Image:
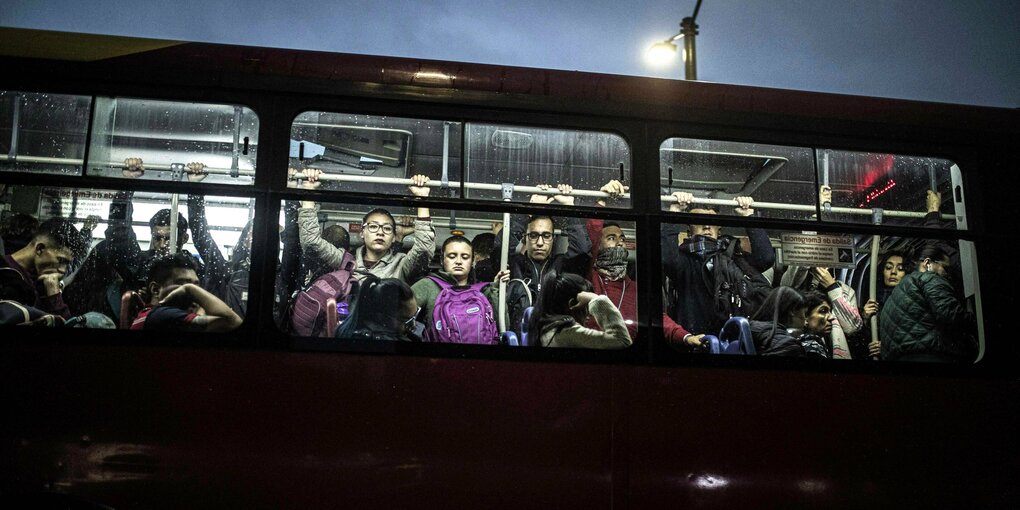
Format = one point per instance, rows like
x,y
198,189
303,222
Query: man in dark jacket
x,y
686,266
539,259
31,276
923,319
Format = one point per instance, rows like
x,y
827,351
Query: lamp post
x,y
663,51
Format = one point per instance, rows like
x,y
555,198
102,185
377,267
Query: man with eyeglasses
x,y
539,259
378,231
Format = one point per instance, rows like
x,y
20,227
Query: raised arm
x,y
218,316
216,269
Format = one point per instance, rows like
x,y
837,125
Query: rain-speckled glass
x,y
374,153
715,172
527,157
892,189
168,135
42,133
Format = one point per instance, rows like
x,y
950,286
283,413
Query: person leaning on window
x,y
176,302
31,275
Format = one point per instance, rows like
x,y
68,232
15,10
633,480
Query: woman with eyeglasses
x,y
924,320
378,231
382,309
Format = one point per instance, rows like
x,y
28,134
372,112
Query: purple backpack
x,y
308,314
462,316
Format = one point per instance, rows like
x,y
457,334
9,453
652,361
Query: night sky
x,y
940,50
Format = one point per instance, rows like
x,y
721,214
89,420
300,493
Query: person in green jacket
x,y
458,257
923,319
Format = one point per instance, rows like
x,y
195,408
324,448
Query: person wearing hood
x,y
781,327
686,265
457,271
564,304
608,272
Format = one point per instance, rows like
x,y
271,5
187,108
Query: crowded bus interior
x,y
450,273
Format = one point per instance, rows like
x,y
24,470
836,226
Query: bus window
x,y
159,139
375,154
326,247
42,132
121,262
907,190
714,172
529,156
819,291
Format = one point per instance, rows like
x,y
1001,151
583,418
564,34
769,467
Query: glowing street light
x,y
663,52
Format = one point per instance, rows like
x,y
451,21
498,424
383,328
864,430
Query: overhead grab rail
x,y
535,190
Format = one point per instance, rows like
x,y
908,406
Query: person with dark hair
x,y
842,301
924,319
820,320
529,269
118,263
176,301
608,271
17,231
486,250
32,275
564,304
687,266
226,279
383,309
378,232
778,327
457,277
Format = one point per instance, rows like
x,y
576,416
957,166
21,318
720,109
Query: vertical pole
x,y
504,258
175,200
876,242
689,29
12,153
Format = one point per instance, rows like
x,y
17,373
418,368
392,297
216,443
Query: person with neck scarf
x,y
608,271
686,267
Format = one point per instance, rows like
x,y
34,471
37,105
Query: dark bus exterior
x,y
258,418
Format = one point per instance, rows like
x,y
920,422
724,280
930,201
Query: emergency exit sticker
x,y
814,250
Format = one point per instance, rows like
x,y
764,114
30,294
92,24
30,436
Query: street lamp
x,y
664,51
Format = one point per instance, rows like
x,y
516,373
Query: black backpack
x,y
738,288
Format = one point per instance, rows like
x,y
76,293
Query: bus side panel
x,y
130,426
727,439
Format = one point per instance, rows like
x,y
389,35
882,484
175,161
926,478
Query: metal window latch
x,y
508,191
876,216
176,171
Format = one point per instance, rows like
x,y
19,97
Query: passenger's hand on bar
x,y
502,276
682,199
870,309
933,201
418,186
825,195
196,171
615,189
311,178
539,198
564,197
875,349
744,206
133,168
497,226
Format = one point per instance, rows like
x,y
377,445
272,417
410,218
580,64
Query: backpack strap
x,y
443,284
